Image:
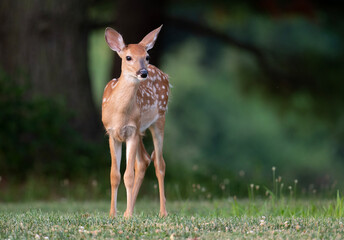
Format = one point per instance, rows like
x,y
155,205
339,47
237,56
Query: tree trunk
x,y
46,42
135,19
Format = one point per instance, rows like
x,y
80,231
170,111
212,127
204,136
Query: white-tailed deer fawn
x,y
131,104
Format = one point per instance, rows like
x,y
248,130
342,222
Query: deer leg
x,y
115,175
157,130
129,173
142,162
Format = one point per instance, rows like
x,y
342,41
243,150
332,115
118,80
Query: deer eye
x,y
128,58
147,58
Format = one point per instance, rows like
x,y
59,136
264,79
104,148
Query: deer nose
x,y
143,73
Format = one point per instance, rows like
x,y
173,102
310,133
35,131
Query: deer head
x,y
135,57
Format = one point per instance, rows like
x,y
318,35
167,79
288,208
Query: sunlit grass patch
x,y
218,219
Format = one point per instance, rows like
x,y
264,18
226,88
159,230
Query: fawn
x,y
137,100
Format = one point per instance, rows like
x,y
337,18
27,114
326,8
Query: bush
x,y
36,137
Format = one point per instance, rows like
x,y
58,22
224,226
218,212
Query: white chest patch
x,y
148,118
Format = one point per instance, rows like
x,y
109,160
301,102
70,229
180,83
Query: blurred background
x,y
257,85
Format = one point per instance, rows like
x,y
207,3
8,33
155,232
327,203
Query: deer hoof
x,y
163,213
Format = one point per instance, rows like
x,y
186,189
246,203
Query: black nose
x,y
143,73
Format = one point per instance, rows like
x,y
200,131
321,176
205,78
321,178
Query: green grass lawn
x,y
217,219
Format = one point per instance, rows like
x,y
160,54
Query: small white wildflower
x,y
46,238
263,217
273,168
37,236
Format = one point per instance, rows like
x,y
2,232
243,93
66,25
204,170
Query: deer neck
x,y
125,93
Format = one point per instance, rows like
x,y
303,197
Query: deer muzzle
x,y
142,73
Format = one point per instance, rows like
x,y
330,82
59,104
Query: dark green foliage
x,y
36,137
229,121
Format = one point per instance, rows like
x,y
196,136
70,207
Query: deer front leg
x,y
157,130
115,175
129,173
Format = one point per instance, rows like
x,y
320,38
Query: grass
x,y
217,219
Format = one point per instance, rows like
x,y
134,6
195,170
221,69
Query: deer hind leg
x,y
142,162
157,130
115,175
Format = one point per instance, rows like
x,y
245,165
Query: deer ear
x,y
149,40
114,39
